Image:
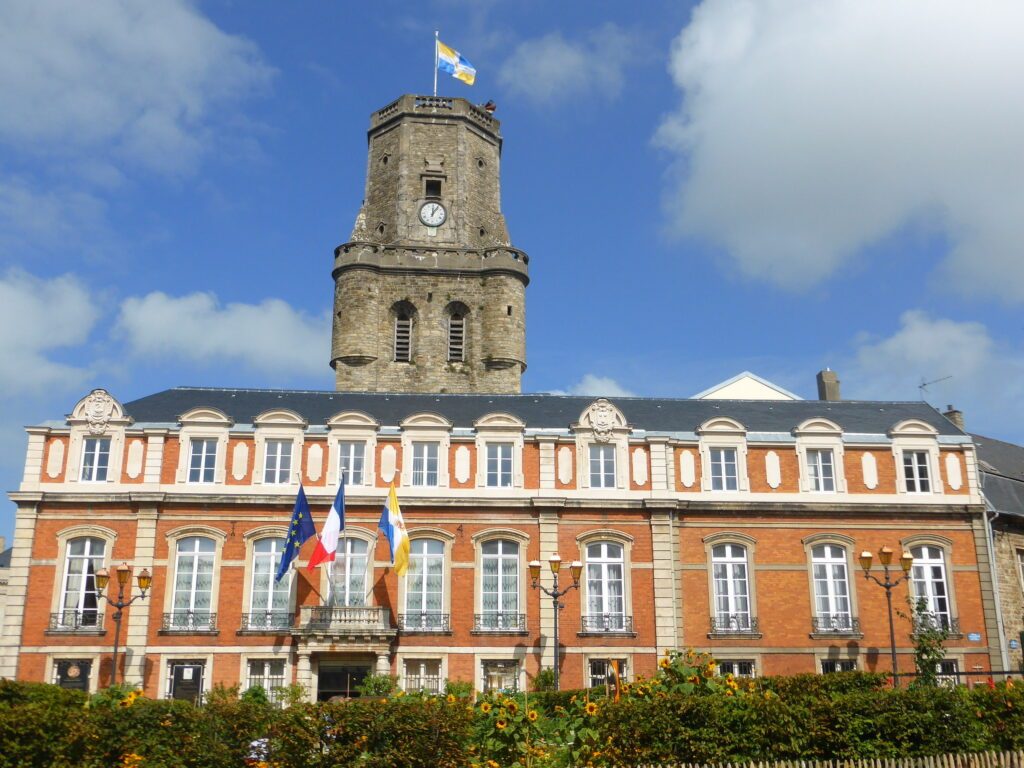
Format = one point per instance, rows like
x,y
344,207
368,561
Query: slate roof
x,y
5,557
537,411
1002,478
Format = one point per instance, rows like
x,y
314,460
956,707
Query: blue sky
x,y
702,188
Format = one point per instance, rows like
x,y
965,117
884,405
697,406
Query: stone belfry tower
x,y
429,294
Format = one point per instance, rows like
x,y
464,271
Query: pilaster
x,y
155,440
548,535
17,587
989,604
666,636
547,460
34,458
138,615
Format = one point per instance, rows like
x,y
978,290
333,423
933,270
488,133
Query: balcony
x,y
827,625
427,622
738,625
76,623
349,621
606,624
508,623
189,623
267,622
939,621
426,684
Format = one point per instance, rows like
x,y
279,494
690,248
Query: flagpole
x,y
436,41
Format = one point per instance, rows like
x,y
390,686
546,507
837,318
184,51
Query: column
x,y
383,663
136,636
304,675
17,587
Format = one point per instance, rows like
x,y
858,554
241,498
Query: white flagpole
x,y
436,50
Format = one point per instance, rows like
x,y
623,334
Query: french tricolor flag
x,y
327,544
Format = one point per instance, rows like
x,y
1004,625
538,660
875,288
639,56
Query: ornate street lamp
x,y
885,558
555,563
124,576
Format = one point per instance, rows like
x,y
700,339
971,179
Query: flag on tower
x,y
393,526
327,544
454,63
301,528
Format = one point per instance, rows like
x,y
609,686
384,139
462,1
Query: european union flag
x,y
302,528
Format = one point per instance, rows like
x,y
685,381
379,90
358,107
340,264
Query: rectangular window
x,y
915,471
73,674
185,680
80,599
736,668
723,469
831,589
424,464
351,457
268,674
432,187
602,466
424,587
499,465
500,676
348,579
422,675
605,583
949,672
838,665
820,471
732,598
278,465
602,672
193,586
95,459
499,586
270,599
202,460
928,576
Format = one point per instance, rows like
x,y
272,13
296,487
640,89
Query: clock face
x,y
433,214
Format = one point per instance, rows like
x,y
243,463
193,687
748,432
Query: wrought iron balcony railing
x,y
190,621
76,621
734,623
942,621
265,621
330,619
424,622
427,684
836,623
499,622
607,622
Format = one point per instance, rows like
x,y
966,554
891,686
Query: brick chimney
x,y
828,385
955,416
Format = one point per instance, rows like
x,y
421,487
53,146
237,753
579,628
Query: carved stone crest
x,y
602,420
98,410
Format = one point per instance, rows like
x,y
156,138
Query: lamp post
x,y
885,558
555,563
124,575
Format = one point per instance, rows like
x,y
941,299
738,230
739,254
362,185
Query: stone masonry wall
x,y
1010,542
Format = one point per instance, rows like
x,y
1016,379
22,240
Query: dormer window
x,y
915,471
821,470
202,460
724,476
95,459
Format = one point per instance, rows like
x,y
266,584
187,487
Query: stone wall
x,y
1009,543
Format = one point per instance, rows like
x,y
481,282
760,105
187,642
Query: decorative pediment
x,y
425,421
98,411
818,426
280,417
913,428
353,419
499,421
721,425
205,416
604,419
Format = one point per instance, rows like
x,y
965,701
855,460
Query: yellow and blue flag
x,y
301,528
455,64
393,526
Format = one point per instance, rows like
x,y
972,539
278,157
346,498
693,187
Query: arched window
x,y
269,602
349,581
193,585
79,602
606,602
500,585
929,579
457,332
732,593
405,315
831,589
424,590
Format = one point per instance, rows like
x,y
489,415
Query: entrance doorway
x,y
339,680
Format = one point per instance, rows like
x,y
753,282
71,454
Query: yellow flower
x,y
451,698
728,692
664,663
511,706
532,715
591,708
501,723
486,707
493,764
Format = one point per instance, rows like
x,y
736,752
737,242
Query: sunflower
x,y
486,707
591,708
532,715
511,706
493,764
450,698
501,724
664,663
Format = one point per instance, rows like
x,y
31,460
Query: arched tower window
x,y
405,315
457,332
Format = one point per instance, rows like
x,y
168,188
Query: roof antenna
x,y
923,386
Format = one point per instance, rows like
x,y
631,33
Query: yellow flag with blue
x,y
455,64
393,526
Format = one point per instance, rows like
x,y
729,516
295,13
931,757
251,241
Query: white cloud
x,y
598,386
548,68
269,337
811,129
37,317
143,80
986,374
